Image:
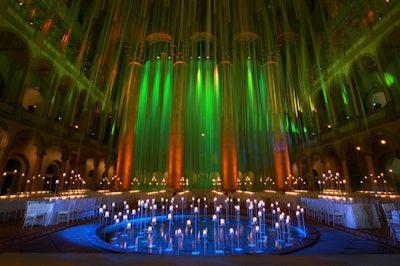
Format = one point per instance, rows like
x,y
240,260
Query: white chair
x,y
376,204
311,208
99,201
83,208
14,209
34,214
68,214
4,210
322,211
395,226
91,206
387,210
79,209
337,215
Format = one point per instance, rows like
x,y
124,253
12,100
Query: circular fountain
x,y
173,230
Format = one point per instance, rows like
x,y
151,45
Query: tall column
x,y
228,136
50,104
346,177
176,144
63,169
354,98
82,172
72,111
36,170
48,93
371,171
22,89
324,167
95,181
125,160
279,142
3,162
386,89
3,159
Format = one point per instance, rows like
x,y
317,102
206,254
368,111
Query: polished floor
x,y
72,245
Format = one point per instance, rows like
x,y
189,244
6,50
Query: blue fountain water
x,y
196,234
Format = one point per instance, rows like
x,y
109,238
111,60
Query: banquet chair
x,y
84,208
15,208
395,226
387,210
34,214
90,210
376,204
3,210
318,211
68,214
323,212
337,215
312,210
99,201
79,210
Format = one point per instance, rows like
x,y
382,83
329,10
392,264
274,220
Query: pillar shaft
x,y
280,151
346,176
176,145
125,158
228,136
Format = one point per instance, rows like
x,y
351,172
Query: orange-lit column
x,y
176,149
228,136
127,130
280,145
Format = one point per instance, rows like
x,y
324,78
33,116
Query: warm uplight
x,y
358,148
383,141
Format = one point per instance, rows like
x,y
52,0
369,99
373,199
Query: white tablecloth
x,y
359,215
356,215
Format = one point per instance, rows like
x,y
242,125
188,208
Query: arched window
x,y
377,100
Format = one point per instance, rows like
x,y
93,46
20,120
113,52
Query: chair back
x,y
71,205
395,217
387,210
31,208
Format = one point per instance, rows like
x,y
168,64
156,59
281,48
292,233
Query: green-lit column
x,y
176,144
228,136
202,115
152,126
127,132
251,111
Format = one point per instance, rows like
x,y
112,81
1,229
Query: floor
x,y
70,245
